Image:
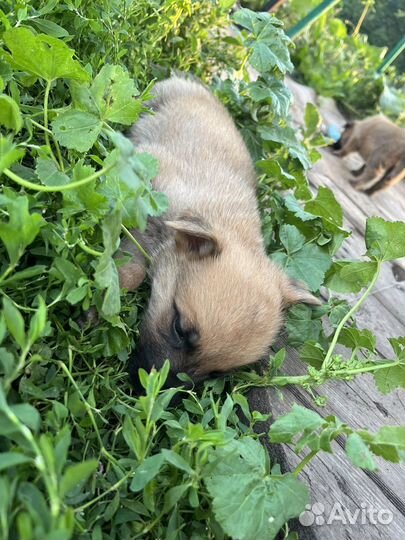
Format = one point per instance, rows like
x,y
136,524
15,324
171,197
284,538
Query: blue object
x,y
333,132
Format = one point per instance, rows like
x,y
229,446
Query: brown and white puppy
x,y
381,144
217,301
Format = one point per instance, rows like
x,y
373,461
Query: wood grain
x,y
331,478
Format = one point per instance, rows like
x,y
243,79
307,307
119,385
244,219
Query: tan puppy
x,y
217,301
381,144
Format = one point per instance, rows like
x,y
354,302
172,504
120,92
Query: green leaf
x,y
41,55
272,91
354,338
313,120
286,136
304,262
106,275
11,459
31,497
173,495
350,277
299,419
385,239
146,471
14,322
128,184
303,324
9,153
264,58
49,174
278,359
37,322
27,414
50,28
77,130
177,461
62,443
22,227
7,360
326,206
359,453
114,93
76,475
291,239
85,198
398,346
389,379
10,115
247,501
294,206
313,354
388,442
269,46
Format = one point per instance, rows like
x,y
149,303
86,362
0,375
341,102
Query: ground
x,y
337,488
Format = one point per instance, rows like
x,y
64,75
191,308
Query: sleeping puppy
x,y
217,301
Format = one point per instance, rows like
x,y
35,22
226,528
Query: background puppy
x,y
217,301
381,144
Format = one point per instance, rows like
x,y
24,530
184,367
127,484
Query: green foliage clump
x,y
384,23
338,64
80,456
151,37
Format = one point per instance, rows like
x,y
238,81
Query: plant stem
x,y
7,272
89,410
62,168
302,380
39,461
56,189
305,380
46,100
88,249
114,487
136,243
304,462
328,358
362,17
18,368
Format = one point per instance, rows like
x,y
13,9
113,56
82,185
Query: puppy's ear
x,y
296,292
194,238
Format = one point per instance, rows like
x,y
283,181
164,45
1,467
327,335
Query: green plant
x,y
80,457
383,23
338,63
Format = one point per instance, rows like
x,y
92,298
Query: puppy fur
x,y
381,144
217,301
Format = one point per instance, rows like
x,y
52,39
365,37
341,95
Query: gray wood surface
x,y
331,478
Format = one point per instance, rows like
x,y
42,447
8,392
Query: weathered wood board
x,y
337,488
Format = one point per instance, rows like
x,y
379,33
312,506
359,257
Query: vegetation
x,y
384,23
80,457
340,62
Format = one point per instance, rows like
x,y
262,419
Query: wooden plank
x,y
358,403
357,206
331,479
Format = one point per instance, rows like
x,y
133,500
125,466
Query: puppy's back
x,y
380,139
191,124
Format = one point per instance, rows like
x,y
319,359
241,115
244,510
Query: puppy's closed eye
x,y
183,337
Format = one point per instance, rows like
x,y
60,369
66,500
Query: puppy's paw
x,y
131,275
